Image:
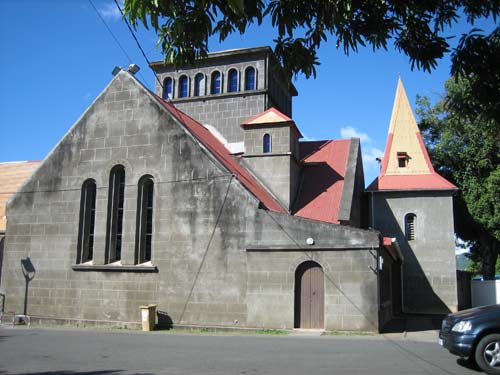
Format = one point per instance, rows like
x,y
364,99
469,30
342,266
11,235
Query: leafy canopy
x,y
464,146
417,27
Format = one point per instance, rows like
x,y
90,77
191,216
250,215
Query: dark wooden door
x,y
312,295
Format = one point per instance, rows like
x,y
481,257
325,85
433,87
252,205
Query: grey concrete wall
x,y
227,110
205,225
278,170
429,279
353,205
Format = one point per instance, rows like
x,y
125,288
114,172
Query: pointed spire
x,y
406,164
405,152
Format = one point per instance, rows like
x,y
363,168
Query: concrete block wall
x,y
227,110
204,222
429,269
278,170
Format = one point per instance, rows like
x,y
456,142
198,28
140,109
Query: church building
x,y
201,198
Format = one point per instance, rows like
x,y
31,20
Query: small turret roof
x,y
272,117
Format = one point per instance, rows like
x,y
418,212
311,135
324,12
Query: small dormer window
x,y
266,143
402,159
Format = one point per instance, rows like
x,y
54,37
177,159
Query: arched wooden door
x,y
309,296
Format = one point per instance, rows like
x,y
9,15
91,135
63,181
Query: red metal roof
x,y
324,166
431,181
223,155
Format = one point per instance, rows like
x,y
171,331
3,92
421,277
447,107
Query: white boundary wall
x,y
485,292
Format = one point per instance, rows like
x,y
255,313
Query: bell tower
x,y
409,201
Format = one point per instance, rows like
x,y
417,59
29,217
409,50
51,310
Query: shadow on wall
x,y
29,274
164,320
418,294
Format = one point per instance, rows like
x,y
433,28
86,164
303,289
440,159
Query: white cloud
x,y
350,132
370,155
305,138
110,11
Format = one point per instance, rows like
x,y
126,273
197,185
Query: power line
x,y
137,41
114,37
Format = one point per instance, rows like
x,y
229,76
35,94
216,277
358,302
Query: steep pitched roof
x,y
12,176
223,155
324,168
406,164
271,117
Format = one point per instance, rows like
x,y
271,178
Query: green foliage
x,y
464,145
418,28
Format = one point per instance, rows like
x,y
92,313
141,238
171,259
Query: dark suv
x,y
474,333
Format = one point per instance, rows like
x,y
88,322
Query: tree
x,y
464,147
418,27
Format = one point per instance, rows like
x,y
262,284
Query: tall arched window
x,y
232,83
410,226
167,88
199,84
144,226
183,87
249,78
114,228
215,83
85,248
266,143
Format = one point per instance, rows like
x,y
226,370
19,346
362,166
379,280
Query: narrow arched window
x,y
410,226
199,84
85,252
232,83
266,143
215,83
144,226
167,88
249,78
116,200
183,87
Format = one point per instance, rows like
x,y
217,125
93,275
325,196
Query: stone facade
x,y
279,169
218,259
227,110
429,269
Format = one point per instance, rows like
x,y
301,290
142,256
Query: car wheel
x,y
488,354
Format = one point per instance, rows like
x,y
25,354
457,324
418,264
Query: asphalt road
x,y
84,352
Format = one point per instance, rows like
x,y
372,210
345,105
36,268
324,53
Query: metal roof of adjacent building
x,y
12,176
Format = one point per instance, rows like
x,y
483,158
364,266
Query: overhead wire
x,y
113,36
137,42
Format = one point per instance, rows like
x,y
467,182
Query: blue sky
x,y
56,57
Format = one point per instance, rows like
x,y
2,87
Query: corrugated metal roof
x,y
12,176
324,167
224,156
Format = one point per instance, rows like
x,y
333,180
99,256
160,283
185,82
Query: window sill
x,y
111,268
